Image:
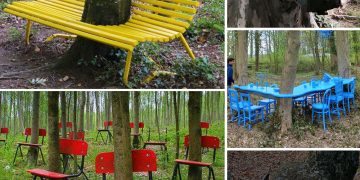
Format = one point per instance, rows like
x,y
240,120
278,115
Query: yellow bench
x,y
151,20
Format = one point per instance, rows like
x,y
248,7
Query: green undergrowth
x,y
164,171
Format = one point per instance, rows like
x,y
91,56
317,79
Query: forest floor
x,y
9,171
303,134
23,66
345,16
254,165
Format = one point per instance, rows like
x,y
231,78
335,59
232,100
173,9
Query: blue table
x,y
299,91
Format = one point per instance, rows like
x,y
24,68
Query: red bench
x,y
211,142
79,135
205,125
142,161
160,143
27,133
107,125
179,162
6,132
67,147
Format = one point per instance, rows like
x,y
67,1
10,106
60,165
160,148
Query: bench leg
x,y
150,175
211,173
214,155
186,153
127,67
167,155
17,148
175,171
104,176
27,33
97,135
187,47
42,155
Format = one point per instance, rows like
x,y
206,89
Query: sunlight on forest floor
x,y
8,171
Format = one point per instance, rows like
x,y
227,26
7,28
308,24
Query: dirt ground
x,y
254,165
30,66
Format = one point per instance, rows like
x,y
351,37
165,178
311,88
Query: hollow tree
x,y
122,143
98,12
194,106
343,52
53,140
288,78
33,153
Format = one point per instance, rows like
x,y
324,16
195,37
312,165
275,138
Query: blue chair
x,y
322,108
338,98
249,111
350,95
267,103
302,101
235,106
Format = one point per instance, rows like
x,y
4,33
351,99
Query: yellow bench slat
x,y
170,5
187,2
67,4
40,4
76,25
58,5
164,11
161,37
159,23
150,29
162,18
71,30
164,30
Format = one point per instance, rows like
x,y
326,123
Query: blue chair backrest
x,y
352,86
245,99
303,82
326,97
233,97
274,86
339,87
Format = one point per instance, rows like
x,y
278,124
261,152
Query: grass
x,y
10,172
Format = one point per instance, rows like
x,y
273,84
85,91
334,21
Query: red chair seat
x,y
47,174
28,144
194,163
154,143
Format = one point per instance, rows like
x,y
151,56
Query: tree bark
x,y
63,114
257,49
356,47
122,144
98,12
241,58
176,108
288,78
33,153
53,141
342,48
82,111
194,106
136,142
333,52
157,115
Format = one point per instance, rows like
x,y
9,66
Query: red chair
x,y
27,133
160,143
107,125
6,132
205,125
141,126
67,147
79,135
142,161
211,142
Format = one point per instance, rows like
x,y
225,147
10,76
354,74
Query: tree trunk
x,y
257,49
53,140
98,111
241,57
288,78
63,114
157,115
333,52
98,12
122,144
176,108
194,105
316,52
82,111
356,47
136,142
33,153
342,48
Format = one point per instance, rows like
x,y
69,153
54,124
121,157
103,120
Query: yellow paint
x,y
187,47
50,38
127,67
27,33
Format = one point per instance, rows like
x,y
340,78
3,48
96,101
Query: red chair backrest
x,y
204,125
141,125
79,135
27,132
68,124
73,147
206,141
4,130
42,132
142,160
108,123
